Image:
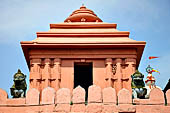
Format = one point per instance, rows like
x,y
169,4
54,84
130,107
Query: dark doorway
x,y
83,75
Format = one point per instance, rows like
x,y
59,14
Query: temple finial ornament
x,y
83,6
83,12
19,87
150,80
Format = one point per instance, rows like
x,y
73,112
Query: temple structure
x,y
88,52
83,50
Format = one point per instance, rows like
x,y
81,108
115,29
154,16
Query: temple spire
x,y
83,6
83,14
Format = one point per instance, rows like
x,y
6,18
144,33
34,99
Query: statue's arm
x,y
12,89
133,85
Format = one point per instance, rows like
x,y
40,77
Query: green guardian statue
x,y
138,85
19,87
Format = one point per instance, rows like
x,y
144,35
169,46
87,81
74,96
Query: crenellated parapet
x,y
98,100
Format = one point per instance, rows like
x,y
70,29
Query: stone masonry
x,y
99,101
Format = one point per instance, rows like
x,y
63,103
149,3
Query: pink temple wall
x,y
55,68
99,101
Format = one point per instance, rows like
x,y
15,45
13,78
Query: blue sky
x,y
147,20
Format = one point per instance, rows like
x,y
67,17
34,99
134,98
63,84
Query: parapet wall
x,y
99,101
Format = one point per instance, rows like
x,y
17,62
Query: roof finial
x,y
83,7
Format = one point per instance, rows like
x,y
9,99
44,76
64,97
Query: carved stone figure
x,y
150,80
19,87
138,85
114,68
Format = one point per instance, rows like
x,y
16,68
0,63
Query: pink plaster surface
x,y
15,101
152,109
168,97
78,95
3,96
63,96
32,97
48,96
78,108
95,95
141,101
124,97
94,108
109,108
109,95
157,96
126,108
63,108
125,105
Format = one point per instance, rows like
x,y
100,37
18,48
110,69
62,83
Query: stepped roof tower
x,y
83,50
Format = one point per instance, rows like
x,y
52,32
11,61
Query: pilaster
x,y
130,69
118,74
109,73
56,74
46,73
35,75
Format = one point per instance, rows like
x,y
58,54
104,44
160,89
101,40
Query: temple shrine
x,y
83,51
83,65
